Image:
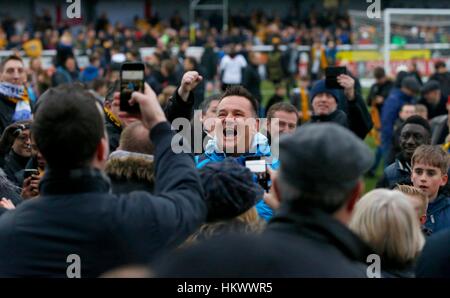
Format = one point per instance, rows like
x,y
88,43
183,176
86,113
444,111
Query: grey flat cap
x,y
411,83
323,154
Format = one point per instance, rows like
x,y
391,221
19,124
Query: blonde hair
x,y
417,193
386,220
248,222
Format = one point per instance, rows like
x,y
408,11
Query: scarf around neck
x,y
17,95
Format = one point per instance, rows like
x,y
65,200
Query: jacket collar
x,y
317,225
82,180
403,165
439,203
338,116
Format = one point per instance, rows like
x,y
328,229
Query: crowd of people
x,y
280,198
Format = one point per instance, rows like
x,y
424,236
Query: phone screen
x,y
130,80
331,74
29,172
259,168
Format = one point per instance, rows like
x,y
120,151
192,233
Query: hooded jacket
x,y
130,171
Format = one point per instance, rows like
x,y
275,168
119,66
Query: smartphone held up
x,y
131,80
331,75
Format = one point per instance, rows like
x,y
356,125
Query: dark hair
x,y
238,90
400,76
281,106
132,142
416,119
439,64
98,83
68,126
204,105
9,58
168,65
93,58
192,61
379,73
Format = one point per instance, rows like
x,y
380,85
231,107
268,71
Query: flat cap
x,y
322,155
429,86
411,83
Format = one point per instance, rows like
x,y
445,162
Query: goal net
x,y
400,39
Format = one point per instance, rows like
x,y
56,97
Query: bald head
x,y
135,138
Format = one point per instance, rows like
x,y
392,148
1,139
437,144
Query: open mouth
x,y
423,187
230,132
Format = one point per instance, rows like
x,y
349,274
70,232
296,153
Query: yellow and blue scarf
x,y
17,95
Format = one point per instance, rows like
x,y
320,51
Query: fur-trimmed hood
x,y
130,171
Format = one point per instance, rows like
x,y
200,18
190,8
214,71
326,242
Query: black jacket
x,y
76,214
252,81
14,166
294,245
444,81
435,110
380,90
177,108
336,251
435,258
6,113
355,117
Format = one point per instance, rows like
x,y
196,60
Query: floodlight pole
x,y
387,41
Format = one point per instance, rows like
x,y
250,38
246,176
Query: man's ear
x,y
355,194
444,180
102,152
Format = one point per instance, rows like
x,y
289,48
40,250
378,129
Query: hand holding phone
x,y
131,80
30,172
331,76
259,168
151,111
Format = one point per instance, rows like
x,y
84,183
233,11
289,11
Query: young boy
x,y
419,201
429,173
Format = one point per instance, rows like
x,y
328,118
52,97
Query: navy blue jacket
x,y
398,172
389,113
438,214
77,214
435,258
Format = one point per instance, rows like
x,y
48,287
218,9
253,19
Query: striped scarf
x,y
113,118
17,95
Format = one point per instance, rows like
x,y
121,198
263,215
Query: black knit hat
x,y
229,189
